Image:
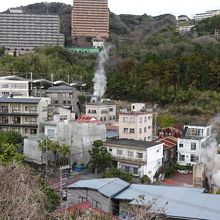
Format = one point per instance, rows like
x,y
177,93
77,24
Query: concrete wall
x,y
32,152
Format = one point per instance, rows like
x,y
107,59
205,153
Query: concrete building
x,y
199,175
63,95
24,32
105,111
90,18
99,192
14,86
192,143
137,157
183,18
136,124
79,135
23,115
207,14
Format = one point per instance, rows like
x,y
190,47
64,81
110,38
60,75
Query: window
x,y
145,119
64,102
130,153
69,102
119,152
149,117
113,117
56,102
140,130
149,127
132,130
93,111
125,130
101,119
111,109
181,157
149,137
132,120
16,109
144,138
110,149
145,129
180,145
140,120
193,146
81,199
125,119
193,158
96,204
135,170
140,155
33,131
158,150
104,118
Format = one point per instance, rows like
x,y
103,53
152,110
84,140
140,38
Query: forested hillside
x,y
149,61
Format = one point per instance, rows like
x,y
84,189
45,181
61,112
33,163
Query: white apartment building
x,y
23,115
136,124
105,111
137,157
191,145
207,14
13,86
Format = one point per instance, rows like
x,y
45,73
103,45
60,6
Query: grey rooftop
x,y
177,202
20,100
60,88
108,187
132,143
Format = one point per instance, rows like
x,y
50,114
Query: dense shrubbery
x,y
118,173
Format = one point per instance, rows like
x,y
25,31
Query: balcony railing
x,y
129,159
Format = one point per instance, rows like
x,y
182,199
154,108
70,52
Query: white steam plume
x,y
100,80
210,156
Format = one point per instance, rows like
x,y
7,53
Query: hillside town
x,y
97,149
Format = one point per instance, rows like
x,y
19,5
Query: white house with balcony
x,y
190,146
137,123
137,157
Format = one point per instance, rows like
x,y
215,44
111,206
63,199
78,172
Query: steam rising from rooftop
x,y
211,158
100,80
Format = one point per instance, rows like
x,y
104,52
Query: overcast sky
x,y
150,7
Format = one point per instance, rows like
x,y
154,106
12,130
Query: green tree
x,y
100,157
114,172
10,137
9,153
54,147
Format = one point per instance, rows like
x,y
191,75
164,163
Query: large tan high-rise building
x,y
90,18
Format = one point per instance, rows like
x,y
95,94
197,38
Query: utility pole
x,y
63,181
46,163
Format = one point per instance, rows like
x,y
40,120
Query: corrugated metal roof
x,y
179,202
109,187
20,100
